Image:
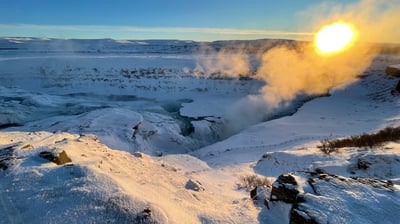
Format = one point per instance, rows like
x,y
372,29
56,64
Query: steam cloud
x,y
289,71
224,61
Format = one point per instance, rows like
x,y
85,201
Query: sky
x,y
158,19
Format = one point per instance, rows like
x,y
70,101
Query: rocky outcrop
x,y
393,70
300,217
285,189
58,158
320,197
6,155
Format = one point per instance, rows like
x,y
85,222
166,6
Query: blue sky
x,y
157,19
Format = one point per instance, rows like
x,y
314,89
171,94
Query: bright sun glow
x,y
334,37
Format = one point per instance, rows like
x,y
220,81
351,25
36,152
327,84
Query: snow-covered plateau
x,y
106,131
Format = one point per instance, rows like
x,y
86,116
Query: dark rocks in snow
x,y
317,199
145,217
253,194
9,125
396,90
363,164
260,196
57,158
138,154
147,212
158,153
300,217
194,185
3,165
381,166
393,70
375,183
6,155
122,209
285,189
135,130
47,155
169,167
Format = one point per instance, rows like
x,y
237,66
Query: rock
x,y
194,185
285,189
396,90
158,153
62,158
287,179
393,70
145,217
47,155
138,154
329,198
375,183
363,164
320,170
147,213
253,194
7,155
28,146
3,165
300,217
59,159
169,168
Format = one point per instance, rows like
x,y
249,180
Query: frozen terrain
x,y
149,137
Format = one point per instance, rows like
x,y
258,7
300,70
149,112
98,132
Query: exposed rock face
x,y
6,155
300,217
58,158
327,198
47,155
253,194
285,189
393,70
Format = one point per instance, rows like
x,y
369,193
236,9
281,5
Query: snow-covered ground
x,y
148,137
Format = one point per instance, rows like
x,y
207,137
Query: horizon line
x,y
129,32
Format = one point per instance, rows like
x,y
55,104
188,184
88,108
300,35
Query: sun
x,y
335,37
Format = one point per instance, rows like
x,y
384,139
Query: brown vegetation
x,y
364,140
249,182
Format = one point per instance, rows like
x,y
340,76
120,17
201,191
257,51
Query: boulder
x,y
194,185
285,189
59,158
3,165
138,154
393,70
300,217
6,155
47,155
328,198
253,194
